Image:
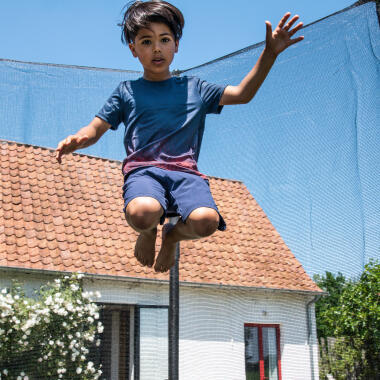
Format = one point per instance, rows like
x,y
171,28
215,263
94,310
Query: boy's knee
x,y
205,221
143,213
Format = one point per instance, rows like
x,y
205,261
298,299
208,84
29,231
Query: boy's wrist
x,y
269,54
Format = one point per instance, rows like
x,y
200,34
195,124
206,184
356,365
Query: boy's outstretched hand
x,y
280,39
69,145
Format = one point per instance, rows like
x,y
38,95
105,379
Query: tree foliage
x,y
351,315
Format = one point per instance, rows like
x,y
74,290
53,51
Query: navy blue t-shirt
x,y
164,121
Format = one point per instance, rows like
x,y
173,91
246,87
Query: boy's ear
x,y
176,46
132,48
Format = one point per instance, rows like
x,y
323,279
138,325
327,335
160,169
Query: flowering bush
x,y
49,336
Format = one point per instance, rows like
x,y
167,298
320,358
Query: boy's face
x,y
155,48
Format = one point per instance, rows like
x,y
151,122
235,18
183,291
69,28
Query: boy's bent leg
x,y
143,215
200,223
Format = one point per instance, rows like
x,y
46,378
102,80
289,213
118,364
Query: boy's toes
x,y
161,268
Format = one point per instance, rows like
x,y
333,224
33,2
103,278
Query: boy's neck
x,y
158,77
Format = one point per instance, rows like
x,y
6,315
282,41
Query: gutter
x,y
309,327
139,280
308,318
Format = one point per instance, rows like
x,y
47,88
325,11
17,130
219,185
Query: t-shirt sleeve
x,y
112,111
211,95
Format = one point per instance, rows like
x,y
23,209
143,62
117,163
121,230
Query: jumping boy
x,y
164,120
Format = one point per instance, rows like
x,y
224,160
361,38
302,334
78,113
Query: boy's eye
x,y
146,42
165,39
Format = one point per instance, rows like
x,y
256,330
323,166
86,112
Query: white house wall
x,y
212,332
212,324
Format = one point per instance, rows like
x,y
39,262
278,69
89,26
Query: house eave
x,y
92,276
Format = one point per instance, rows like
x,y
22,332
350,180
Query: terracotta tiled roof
x,y
69,217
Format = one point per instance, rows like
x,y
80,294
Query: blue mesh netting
x,y
307,146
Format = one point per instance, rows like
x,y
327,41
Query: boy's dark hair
x,y
140,14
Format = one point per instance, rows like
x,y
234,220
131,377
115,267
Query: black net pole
x,y
173,324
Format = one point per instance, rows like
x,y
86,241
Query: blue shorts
x,y
179,193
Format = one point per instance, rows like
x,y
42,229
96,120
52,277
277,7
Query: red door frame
x,y
261,355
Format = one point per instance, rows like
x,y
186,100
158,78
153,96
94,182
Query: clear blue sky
x,y
85,33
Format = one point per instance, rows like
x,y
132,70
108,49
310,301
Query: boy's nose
x,y
156,48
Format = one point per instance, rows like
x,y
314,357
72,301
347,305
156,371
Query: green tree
x,y
351,315
358,319
334,286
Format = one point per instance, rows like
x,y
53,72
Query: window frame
x,y
136,358
132,360
260,339
108,307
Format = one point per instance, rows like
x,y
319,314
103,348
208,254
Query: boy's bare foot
x,y
145,247
166,256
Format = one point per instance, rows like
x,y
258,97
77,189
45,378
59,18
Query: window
x,y
134,343
114,351
262,352
151,343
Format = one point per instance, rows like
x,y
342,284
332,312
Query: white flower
x,y
29,323
97,294
79,370
49,300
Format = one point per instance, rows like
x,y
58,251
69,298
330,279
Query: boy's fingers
x,y
269,28
58,156
291,22
298,39
69,145
283,20
296,29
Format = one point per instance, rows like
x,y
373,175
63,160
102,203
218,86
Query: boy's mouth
x,y
158,60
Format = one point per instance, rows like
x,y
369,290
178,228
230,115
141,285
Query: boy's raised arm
x,y
85,137
275,43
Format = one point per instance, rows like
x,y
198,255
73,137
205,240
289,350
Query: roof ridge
x,y
101,158
53,149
